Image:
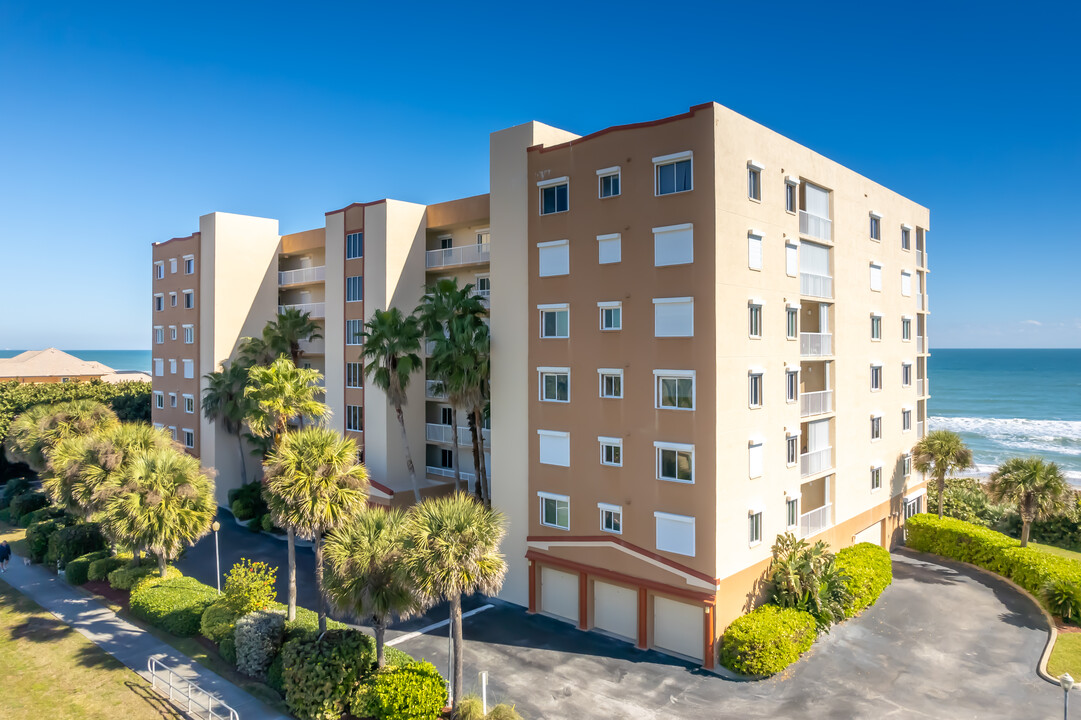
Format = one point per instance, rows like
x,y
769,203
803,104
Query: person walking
x,y
5,555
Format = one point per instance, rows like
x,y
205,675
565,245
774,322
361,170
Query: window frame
x,y
602,375
754,528
552,245
906,374
159,399
791,385
874,228
159,302
189,437
876,478
615,239
159,334
557,499
610,442
354,339
671,517
614,511
352,237
357,369
673,160
354,413
615,308
686,301
606,173
754,181
752,375
555,308
542,373
172,400
876,377
189,299
659,448
759,237
791,449
189,264
754,320
876,428
189,399
189,331
906,419
554,184
159,269
791,323
876,327
906,238
661,375
906,329
791,518
791,195
358,281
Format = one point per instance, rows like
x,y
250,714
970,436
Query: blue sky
x,y
121,123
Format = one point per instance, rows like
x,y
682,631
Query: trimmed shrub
x,y
77,571
126,578
99,569
1063,598
258,640
218,622
242,509
867,571
27,503
268,524
174,604
5,516
410,692
503,711
250,499
74,541
274,675
49,512
322,677
37,538
227,648
12,489
767,640
255,525
306,625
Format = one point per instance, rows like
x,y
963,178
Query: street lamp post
x,y
1067,684
217,556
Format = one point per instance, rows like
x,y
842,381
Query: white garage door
x,y
872,535
615,610
559,594
678,627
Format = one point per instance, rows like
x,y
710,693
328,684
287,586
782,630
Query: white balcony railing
x,y
815,226
485,294
449,473
814,285
302,275
919,343
811,463
919,429
815,344
921,258
464,255
466,438
433,390
924,303
313,347
814,522
435,432
921,386
316,310
815,403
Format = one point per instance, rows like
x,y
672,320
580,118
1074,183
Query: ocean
x,y
116,359
1009,403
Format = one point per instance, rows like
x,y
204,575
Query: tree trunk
x,y
243,462
457,460
408,455
136,558
941,494
482,470
456,634
319,582
162,567
474,433
292,572
1025,527
379,625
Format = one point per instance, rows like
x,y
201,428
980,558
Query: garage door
x,y
872,534
559,594
678,627
615,610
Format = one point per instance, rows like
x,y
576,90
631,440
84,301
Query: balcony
x,y
815,226
921,258
814,462
922,387
467,477
433,390
815,344
464,255
316,310
302,275
466,438
435,432
482,294
819,286
816,403
313,347
814,522
920,344
919,429
924,304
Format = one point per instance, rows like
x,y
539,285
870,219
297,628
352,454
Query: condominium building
x,y
703,335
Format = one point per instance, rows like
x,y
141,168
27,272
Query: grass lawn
x,y
1071,554
1066,655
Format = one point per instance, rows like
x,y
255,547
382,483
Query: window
x,y
876,378
159,270
611,518
189,264
159,303
906,283
354,418
876,427
754,181
555,321
611,315
754,394
446,242
906,329
354,332
172,400
675,462
554,196
791,259
754,250
791,385
906,374
189,334
673,245
674,389
172,266
189,438
555,447
189,299
791,454
906,420
673,173
611,451
611,380
446,415
754,320
608,182
754,526
159,400
754,459
483,286
673,317
172,332
555,258
876,220
608,249
876,327
555,510
189,369
172,366
876,478
172,299
159,335
354,245
675,533
906,237
555,384
876,277
906,464
172,432
354,375
791,512
791,316
189,404
159,367
791,188
484,236
446,458
354,288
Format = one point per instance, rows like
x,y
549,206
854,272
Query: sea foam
x,y
1051,436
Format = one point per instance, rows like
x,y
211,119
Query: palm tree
x,y
314,485
391,347
939,453
365,574
452,549
162,503
285,333
22,443
224,400
256,351
279,394
1036,487
34,433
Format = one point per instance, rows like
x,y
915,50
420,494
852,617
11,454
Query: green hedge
x,y
409,692
867,571
322,677
77,571
27,503
173,604
126,578
49,512
99,569
767,640
37,538
74,541
12,489
218,622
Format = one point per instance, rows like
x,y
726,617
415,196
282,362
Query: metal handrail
x,y
191,698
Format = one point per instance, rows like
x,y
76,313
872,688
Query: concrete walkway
x,y
124,641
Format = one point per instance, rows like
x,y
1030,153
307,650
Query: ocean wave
x,y
1062,437
982,471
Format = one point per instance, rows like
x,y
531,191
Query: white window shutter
x,y
876,277
555,447
675,533
791,260
754,252
609,250
673,245
555,259
755,460
673,317
906,284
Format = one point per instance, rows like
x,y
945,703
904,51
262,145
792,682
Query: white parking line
x,y
435,626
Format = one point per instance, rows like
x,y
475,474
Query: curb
x,y
297,542
1052,629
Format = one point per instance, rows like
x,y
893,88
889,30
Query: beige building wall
x,y
334,324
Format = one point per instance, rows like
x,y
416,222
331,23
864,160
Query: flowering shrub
x,y
249,587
